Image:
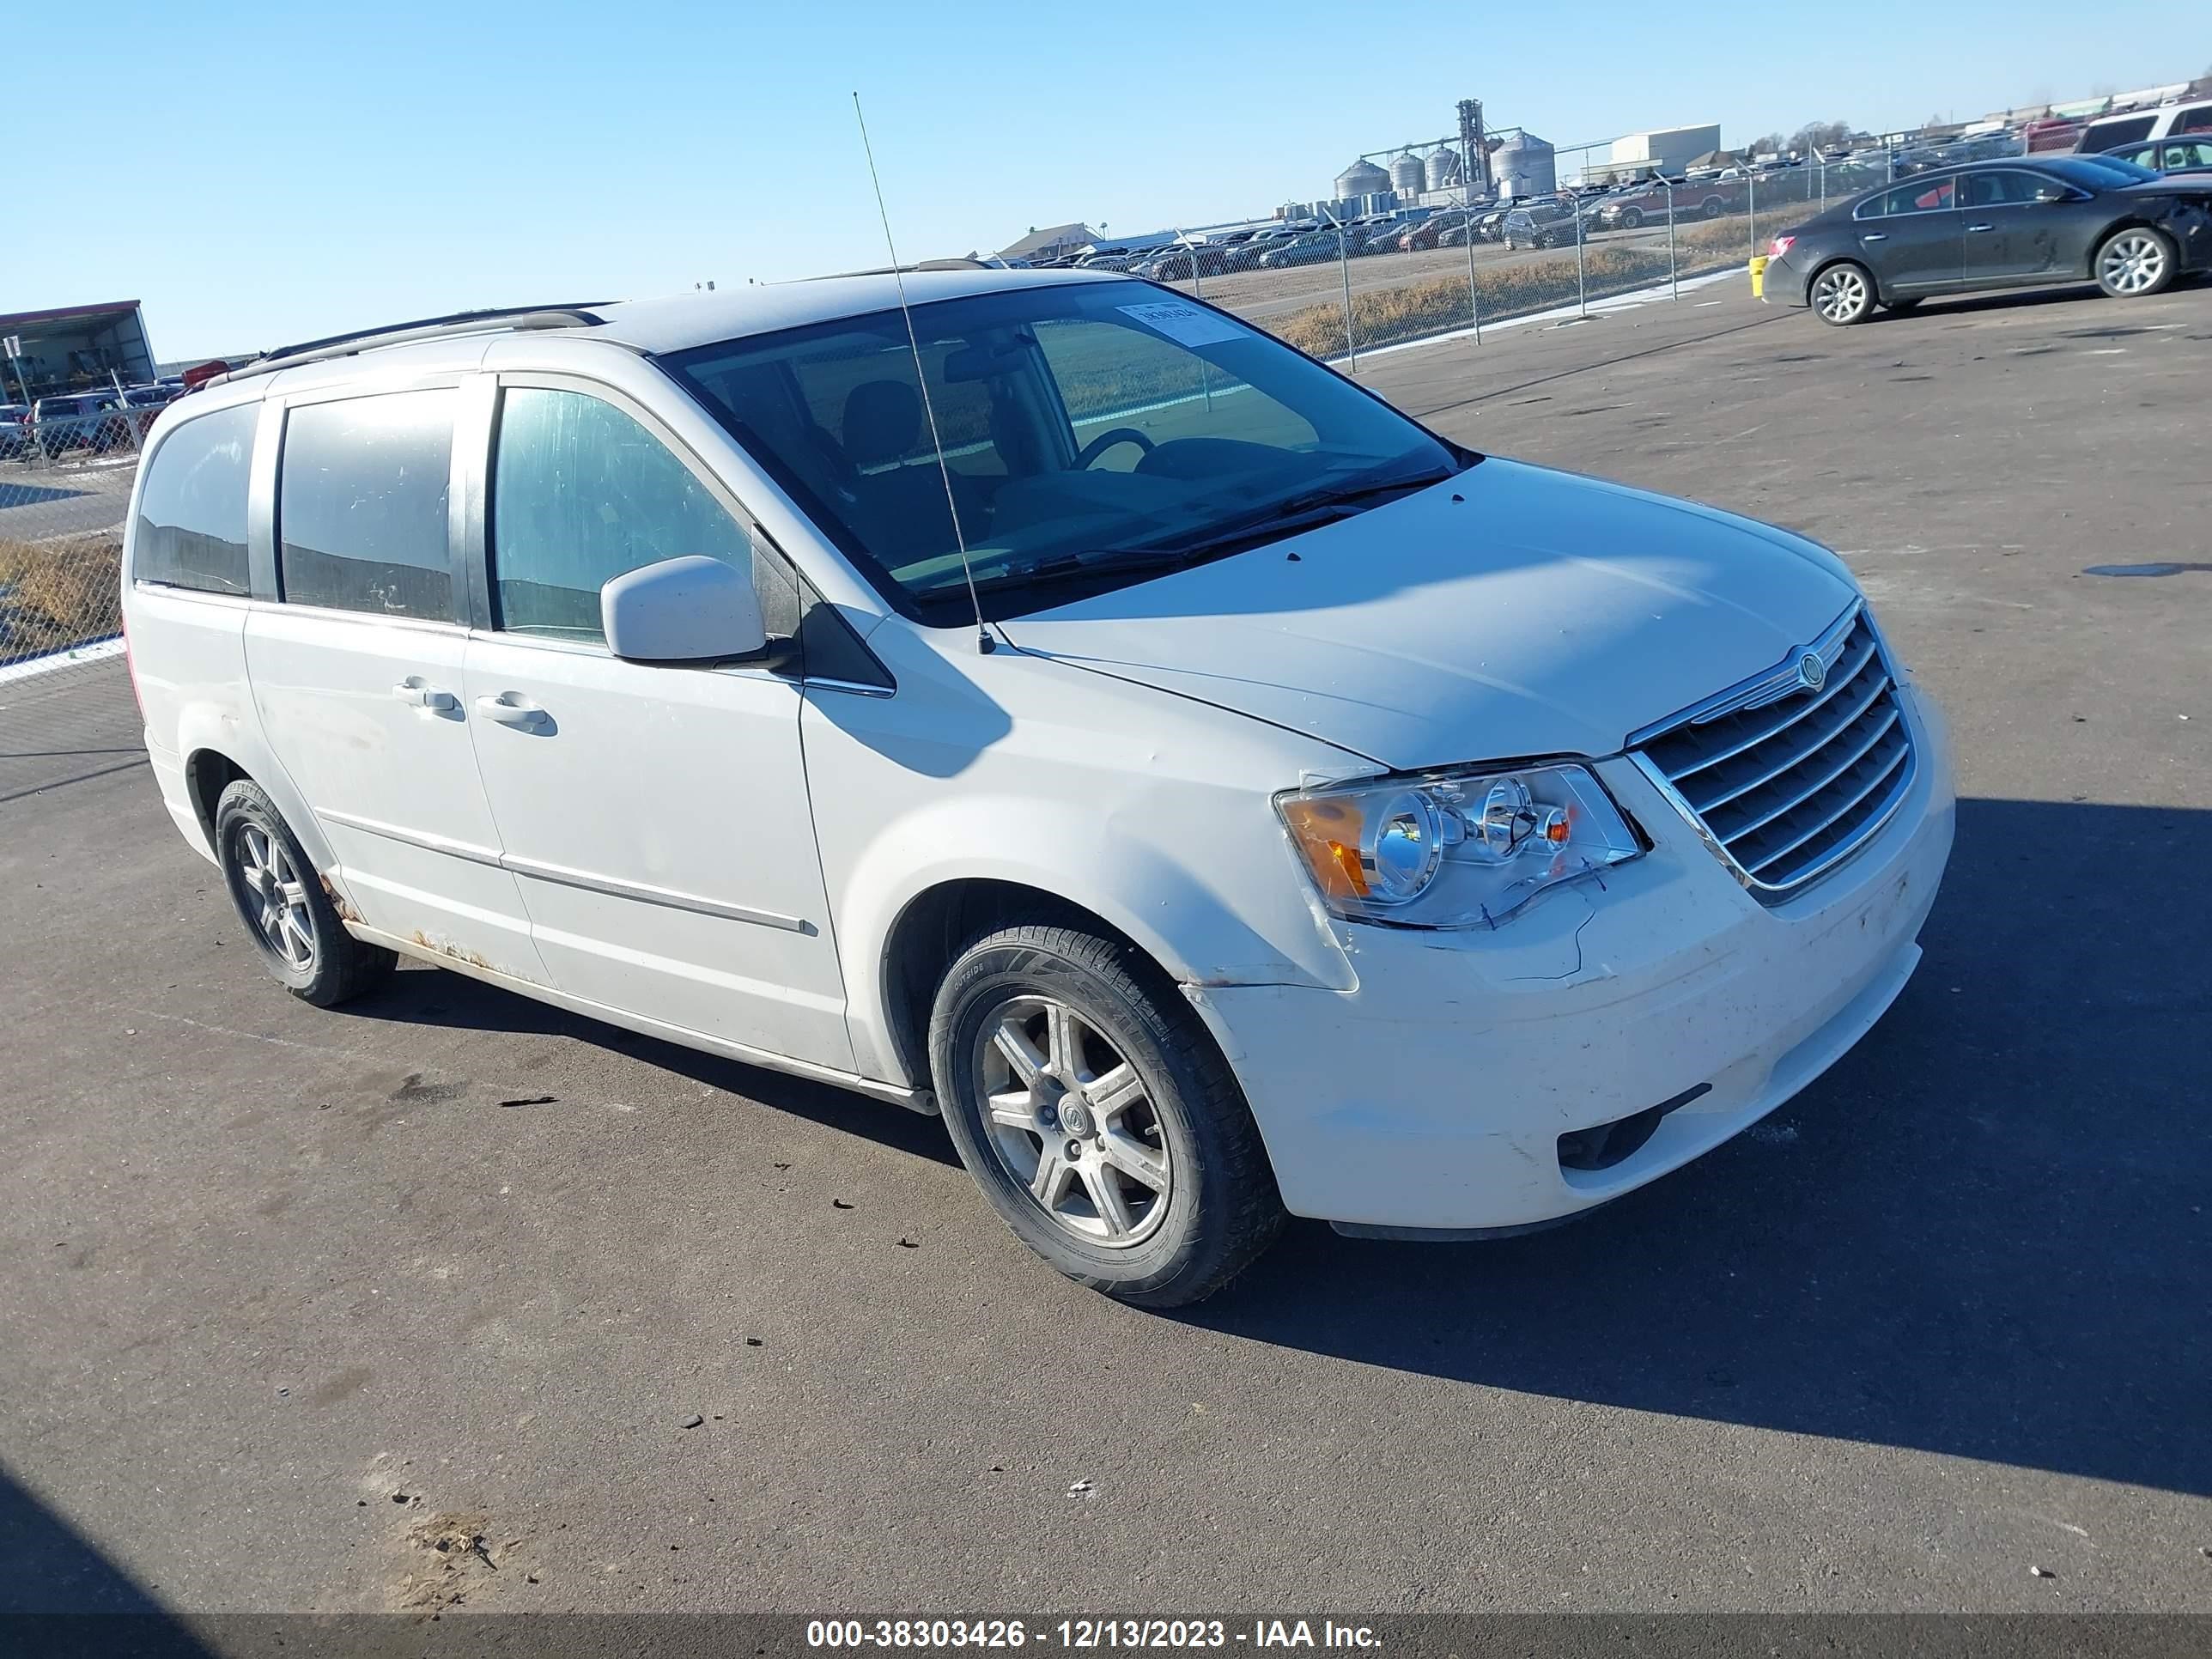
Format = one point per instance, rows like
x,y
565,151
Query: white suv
x,y
1217,795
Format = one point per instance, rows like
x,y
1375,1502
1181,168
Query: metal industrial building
x,y
72,348
1641,155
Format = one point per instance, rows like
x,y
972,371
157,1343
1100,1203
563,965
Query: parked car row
x,y
96,422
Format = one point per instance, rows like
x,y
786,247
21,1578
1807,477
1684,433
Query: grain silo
x,y
1360,179
1525,166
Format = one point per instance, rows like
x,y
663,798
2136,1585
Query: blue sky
x,y
262,172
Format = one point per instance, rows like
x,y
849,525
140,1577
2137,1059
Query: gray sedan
x,y
2013,223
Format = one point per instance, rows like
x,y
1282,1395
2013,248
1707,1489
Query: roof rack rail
x,y
584,313
961,263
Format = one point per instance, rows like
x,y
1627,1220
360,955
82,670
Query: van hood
x,y
1509,611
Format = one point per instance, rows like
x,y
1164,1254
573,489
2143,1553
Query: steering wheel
x,y
1106,440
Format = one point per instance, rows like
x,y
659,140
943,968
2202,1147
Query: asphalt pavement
x,y
293,1294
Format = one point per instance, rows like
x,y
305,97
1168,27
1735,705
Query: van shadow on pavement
x,y
1983,1233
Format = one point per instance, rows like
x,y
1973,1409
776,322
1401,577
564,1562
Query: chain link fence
x,y
1337,286
67,465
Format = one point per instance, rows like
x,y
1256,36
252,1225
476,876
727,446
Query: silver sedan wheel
x,y
277,898
2134,262
1072,1122
1841,295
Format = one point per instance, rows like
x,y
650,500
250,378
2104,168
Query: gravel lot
x,y
290,1293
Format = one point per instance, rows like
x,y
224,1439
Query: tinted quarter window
x,y
360,509
2195,120
191,513
582,493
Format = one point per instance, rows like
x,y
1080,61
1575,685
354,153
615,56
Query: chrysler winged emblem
x,y
1811,671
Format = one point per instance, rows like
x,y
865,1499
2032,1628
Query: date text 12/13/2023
x,y
1085,1635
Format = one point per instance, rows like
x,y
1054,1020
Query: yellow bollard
x,y
1758,277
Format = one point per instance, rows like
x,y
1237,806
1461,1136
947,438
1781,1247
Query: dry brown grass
x,y
1384,316
54,594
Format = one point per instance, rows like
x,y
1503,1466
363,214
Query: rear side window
x,y
192,511
580,494
2103,134
2195,120
1923,196
361,505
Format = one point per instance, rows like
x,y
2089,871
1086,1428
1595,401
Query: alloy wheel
x,y
1070,1119
277,899
1841,294
2132,263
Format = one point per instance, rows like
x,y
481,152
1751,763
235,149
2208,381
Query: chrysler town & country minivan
x,y
1084,717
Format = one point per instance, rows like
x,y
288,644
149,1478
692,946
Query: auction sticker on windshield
x,y
1184,325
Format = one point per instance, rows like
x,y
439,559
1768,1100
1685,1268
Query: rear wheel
x,y
1843,293
278,894
1093,1108
2134,262
1714,207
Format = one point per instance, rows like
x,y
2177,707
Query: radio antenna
x,y
984,642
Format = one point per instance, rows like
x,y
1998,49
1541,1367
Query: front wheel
x,y
1843,295
1093,1108
278,894
1632,219
2134,262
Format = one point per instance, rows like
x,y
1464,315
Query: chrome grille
x,y
1787,779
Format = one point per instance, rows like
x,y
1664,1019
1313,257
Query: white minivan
x,y
1082,716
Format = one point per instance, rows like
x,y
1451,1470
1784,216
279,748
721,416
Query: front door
x,y
1915,242
656,816
357,676
2011,236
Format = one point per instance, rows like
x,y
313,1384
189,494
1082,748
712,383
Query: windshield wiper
x,y
1308,510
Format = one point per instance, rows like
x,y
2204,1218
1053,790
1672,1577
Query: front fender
x,y
1167,908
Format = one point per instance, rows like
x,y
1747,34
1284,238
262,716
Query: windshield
x,y
1095,434
2098,172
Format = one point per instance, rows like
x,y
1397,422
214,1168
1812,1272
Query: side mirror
x,y
683,610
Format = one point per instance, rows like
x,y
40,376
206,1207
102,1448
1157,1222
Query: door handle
x,y
1981,226
508,709
418,694
1875,236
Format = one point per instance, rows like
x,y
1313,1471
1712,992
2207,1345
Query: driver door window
x,y
2004,189
580,494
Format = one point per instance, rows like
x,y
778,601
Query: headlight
x,y
1456,849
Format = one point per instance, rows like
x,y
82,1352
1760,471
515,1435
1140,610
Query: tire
x,y
1170,1194
1842,294
1632,219
1714,207
302,942
2135,262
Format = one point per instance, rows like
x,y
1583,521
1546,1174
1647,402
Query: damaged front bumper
x,y
1482,1081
